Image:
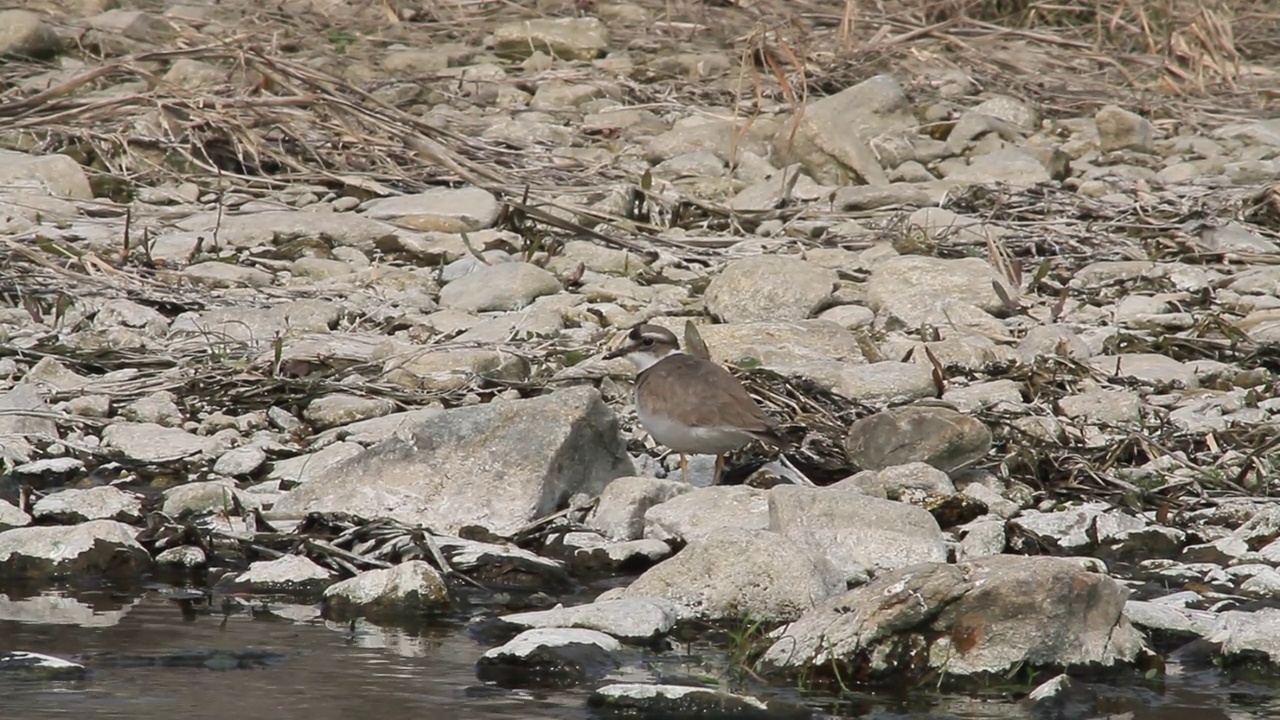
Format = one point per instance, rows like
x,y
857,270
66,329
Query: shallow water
x,y
328,671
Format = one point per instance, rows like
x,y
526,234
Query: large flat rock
x,y
498,465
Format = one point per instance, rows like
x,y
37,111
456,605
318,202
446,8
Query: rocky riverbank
x,y
323,322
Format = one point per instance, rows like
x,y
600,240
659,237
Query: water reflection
x,y
55,608
341,671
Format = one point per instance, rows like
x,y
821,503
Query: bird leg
x,y
684,468
715,476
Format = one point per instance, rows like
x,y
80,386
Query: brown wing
x,y
704,394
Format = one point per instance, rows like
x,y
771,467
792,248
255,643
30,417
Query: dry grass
x,y
1202,42
290,114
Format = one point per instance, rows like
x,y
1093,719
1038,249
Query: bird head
x,y
645,345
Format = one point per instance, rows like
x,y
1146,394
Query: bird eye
x,y
647,342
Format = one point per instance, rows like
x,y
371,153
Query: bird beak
x,y
615,353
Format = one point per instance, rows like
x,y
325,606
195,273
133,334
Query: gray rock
x,y
743,144
25,34
53,175
1171,571
789,184
98,547
1260,525
556,95
703,513
226,275
1010,110
858,198
1256,132
596,258
741,573
1148,542
1223,551
410,588
20,397
49,472
549,656
1170,621
1105,407
701,164
49,373
505,286
1062,698
637,620
866,482
899,479
980,132
769,288
91,406
1148,367
676,701
1235,238
1256,281
981,538
260,326
132,24
29,665
620,511
341,409
1109,272
194,74
567,38
100,503
159,408
267,229
151,443
856,533
1119,129
1250,172
287,575
531,322
980,396
967,279
283,420
888,382
303,468
948,316
438,210
614,558
1264,585
1052,341
320,268
241,461
1243,636
204,498
11,516
1009,166
851,317
182,556
997,504
976,618
911,172
1074,530
512,565
779,345
126,313
938,436
442,474
833,137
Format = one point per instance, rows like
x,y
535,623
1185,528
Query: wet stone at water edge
x,y
319,386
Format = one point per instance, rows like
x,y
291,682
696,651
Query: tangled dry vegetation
x,y
306,122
